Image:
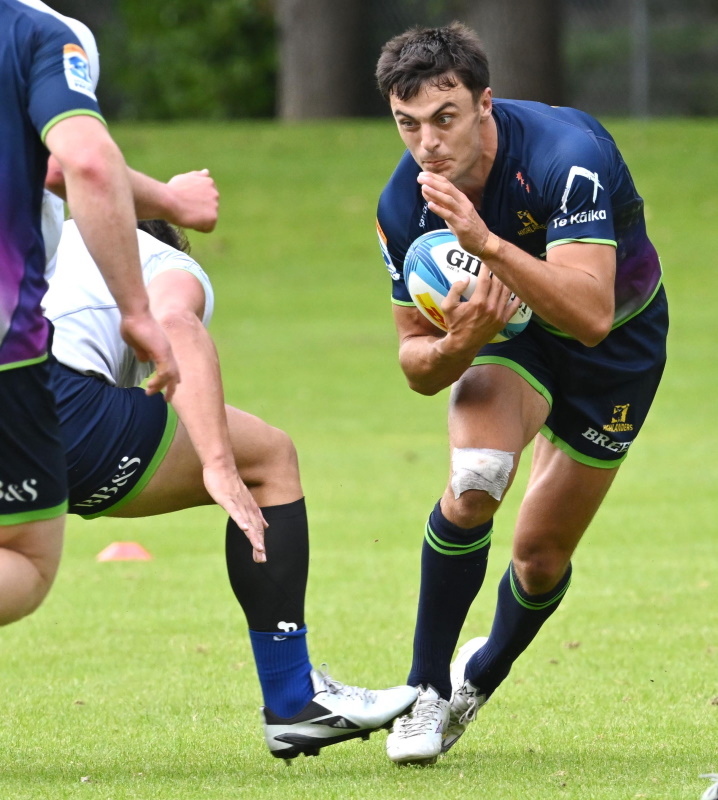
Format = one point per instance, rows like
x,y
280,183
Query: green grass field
x,y
136,680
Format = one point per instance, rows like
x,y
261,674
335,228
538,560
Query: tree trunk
x,y
319,52
523,42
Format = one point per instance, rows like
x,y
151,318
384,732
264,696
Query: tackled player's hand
x,y
229,491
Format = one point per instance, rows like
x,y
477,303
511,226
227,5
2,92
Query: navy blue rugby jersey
x,y
558,177
45,76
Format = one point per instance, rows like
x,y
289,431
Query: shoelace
x,y
473,703
337,687
415,722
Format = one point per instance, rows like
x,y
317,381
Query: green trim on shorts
x,y
535,606
589,461
78,112
157,458
34,516
610,242
519,370
28,363
403,303
455,549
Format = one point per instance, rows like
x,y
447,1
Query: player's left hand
x,y
194,200
455,208
228,490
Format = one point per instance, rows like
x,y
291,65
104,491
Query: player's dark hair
x,y
169,234
440,57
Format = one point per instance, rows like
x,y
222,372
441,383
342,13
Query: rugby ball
x,y
433,263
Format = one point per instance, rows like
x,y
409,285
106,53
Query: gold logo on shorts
x,y
618,420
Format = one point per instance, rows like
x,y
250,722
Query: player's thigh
x,y
492,406
264,456
496,410
39,542
562,497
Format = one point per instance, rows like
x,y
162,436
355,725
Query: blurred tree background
x,y
304,59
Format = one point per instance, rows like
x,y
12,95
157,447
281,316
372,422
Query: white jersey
x,y
85,315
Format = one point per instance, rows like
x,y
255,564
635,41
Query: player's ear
x,y
485,102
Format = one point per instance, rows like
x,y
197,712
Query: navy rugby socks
x,y
453,566
518,618
272,598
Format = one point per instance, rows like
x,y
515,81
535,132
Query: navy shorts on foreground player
x,y
543,197
130,456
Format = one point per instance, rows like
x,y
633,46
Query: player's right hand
x,y
145,336
474,322
195,200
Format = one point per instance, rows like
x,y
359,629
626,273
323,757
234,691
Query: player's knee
x,y
470,509
479,478
26,599
487,471
284,463
540,572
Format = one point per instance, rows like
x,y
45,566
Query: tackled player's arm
x,y
189,200
177,299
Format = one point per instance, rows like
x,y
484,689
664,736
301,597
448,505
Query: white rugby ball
x,y
433,263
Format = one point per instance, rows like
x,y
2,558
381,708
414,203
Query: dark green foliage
x,y
189,60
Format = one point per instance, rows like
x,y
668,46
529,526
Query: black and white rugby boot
x,y
335,714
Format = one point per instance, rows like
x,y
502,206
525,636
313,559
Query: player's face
x,y
444,131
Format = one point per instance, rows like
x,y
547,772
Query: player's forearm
x,y
189,200
567,297
432,363
153,198
199,399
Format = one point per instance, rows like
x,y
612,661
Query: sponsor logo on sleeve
x,y
77,70
579,217
579,172
385,253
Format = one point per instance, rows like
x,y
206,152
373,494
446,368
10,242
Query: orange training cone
x,y
124,551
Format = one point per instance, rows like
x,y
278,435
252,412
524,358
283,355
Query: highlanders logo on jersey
x,y
77,69
530,225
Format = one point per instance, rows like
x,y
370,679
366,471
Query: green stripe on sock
x,y
451,549
536,606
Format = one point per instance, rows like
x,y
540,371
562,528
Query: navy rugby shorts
x,y
33,475
598,396
114,439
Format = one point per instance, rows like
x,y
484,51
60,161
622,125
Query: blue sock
x,y
283,668
453,566
518,618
